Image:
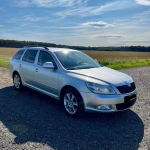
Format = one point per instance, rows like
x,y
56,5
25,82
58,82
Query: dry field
x,y
115,60
8,51
118,54
11,51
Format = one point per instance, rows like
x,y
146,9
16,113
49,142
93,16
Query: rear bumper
x,y
117,102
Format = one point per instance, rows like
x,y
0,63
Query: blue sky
x,y
77,22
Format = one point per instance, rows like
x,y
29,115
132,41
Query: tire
x,y
17,82
72,103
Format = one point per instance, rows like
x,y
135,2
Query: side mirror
x,y
48,65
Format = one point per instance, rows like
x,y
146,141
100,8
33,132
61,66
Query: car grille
x,y
126,89
129,101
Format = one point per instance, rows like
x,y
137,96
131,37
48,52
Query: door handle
x,y
36,70
20,65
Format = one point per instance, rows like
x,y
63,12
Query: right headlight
x,y
100,89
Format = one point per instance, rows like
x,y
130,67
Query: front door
x,y
46,79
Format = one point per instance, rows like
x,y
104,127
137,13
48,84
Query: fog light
x,y
104,107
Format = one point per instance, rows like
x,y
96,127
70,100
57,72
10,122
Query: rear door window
x,y
18,55
30,56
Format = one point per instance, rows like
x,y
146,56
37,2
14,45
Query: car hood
x,y
102,74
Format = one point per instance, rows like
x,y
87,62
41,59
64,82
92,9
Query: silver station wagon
x,y
78,81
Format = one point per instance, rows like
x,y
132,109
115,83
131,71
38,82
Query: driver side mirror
x,y
48,65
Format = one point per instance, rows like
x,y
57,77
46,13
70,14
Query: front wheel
x,y
17,81
73,103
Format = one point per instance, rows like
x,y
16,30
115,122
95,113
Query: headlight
x,y
100,89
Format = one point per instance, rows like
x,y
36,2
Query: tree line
x,y
19,44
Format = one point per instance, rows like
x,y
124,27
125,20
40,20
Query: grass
x,y
114,60
121,60
4,61
118,63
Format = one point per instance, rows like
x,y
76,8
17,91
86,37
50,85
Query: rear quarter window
x,y
18,55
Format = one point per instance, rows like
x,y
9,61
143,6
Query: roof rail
x,y
45,47
24,47
35,46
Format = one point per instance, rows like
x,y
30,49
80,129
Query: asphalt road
x,y
31,120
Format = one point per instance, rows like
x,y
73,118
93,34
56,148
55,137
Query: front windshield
x,y
72,60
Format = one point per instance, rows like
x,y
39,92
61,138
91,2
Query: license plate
x,y
128,99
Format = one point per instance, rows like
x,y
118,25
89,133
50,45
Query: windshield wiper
x,y
72,68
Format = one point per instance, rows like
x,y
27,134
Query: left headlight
x,y
100,89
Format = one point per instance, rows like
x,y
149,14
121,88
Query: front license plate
x,y
128,99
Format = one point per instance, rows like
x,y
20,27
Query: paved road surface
x,y
30,120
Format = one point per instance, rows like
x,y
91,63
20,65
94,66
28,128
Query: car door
x,y
27,67
46,79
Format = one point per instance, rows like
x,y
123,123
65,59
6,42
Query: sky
x,y
77,22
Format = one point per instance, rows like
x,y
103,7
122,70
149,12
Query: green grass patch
x,y
116,63
124,63
4,61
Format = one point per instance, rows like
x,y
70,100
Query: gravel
x,y
31,120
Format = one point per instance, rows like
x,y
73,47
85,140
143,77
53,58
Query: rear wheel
x,y
17,81
73,103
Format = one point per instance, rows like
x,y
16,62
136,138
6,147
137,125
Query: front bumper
x,y
117,102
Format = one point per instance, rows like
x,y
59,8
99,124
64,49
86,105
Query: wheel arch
x,y
15,71
66,87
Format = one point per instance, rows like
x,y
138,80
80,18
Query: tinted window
x,y
30,56
18,54
45,57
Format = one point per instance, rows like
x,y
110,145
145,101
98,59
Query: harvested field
x,y
114,60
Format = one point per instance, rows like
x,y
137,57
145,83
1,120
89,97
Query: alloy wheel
x,y
70,103
17,81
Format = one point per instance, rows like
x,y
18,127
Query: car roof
x,y
52,49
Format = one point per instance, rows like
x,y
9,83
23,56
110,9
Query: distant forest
x,y
19,44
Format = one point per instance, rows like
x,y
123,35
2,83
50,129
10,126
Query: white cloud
x,y
27,18
53,20
117,5
23,3
84,11
75,7
54,3
143,2
73,27
99,24
138,41
141,15
32,18
25,24
107,36
1,26
49,3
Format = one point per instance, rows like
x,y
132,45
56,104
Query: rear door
x,y
27,66
46,79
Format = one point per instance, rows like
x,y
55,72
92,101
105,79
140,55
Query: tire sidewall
x,y
80,110
19,80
